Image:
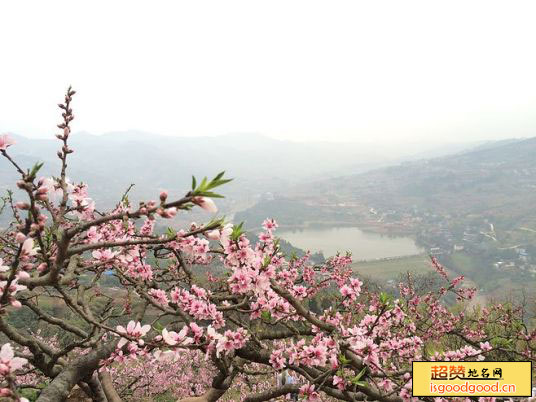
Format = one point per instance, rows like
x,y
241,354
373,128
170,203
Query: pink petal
x,y
6,353
207,204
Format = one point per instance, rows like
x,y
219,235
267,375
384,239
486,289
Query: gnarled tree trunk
x,y
77,371
108,387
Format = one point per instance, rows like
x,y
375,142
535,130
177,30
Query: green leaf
x,y
343,359
218,176
205,186
194,183
237,231
385,298
356,379
216,221
266,315
217,181
35,169
210,194
158,327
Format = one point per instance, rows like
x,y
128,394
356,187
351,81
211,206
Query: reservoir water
x,y
362,245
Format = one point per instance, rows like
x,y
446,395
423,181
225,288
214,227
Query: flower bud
x,y
213,234
23,275
41,196
163,196
26,267
171,212
42,190
20,237
22,205
15,303
4,391
206,203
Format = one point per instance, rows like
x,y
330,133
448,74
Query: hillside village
x,y
442,236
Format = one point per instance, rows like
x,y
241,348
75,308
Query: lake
x,y
362,245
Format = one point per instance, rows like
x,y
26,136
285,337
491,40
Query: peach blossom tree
x,y
233,327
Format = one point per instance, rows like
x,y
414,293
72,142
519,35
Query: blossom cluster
x,y
214,293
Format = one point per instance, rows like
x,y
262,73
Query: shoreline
x,y
363,226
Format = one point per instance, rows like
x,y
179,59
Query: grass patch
x,y
467,264
386,269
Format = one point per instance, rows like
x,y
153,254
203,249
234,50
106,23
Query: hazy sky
x,y
336,70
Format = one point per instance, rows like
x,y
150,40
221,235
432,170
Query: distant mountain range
x,y
495,179
109,163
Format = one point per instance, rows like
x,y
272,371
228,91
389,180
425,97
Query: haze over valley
x,y
470,204
254,201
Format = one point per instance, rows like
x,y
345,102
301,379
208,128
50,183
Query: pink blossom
x,y
53,188
339,382
172,338
456,281
8,362
133,330
6,141
159,296
346,291
206,203
167,213
104,255
28,247
485,346
3,268
308,391
175,295
213,234
12,289
20,237
269,224
197,331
